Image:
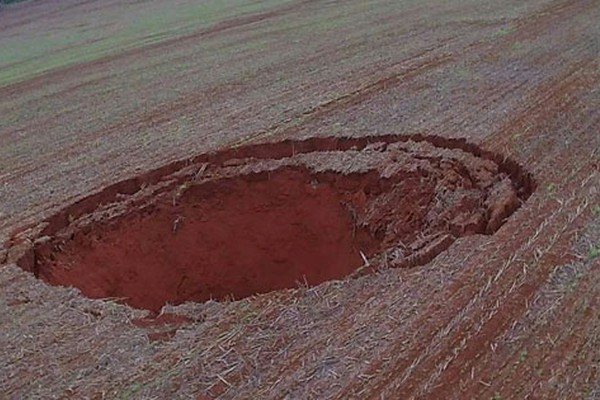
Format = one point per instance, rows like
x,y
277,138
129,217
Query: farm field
x,y
482,116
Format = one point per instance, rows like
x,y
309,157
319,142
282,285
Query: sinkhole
x,y
266,217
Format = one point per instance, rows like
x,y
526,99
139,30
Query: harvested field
x,y
300,199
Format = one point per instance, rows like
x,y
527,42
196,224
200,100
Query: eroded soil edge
x,y
270,216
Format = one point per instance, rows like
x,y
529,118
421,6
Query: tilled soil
x,y
105,105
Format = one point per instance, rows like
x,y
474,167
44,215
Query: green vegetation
x,y
34,51
132,390
2,2
523,356
505,30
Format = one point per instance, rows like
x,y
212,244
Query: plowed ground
x,y
98,92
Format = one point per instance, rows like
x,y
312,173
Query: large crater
x,y
273,216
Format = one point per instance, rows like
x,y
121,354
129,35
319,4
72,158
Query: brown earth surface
x,y
466,155
267,217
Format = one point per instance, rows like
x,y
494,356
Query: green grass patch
x,y
131,391
503,31
111,30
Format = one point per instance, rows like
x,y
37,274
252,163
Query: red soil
x,y
236,238
168,237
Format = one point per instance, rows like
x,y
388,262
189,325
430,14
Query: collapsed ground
x,y
267,217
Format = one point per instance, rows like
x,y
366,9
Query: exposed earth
x,y
300,199
266,217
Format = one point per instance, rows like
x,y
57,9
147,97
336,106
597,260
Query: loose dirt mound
x,y
267,217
